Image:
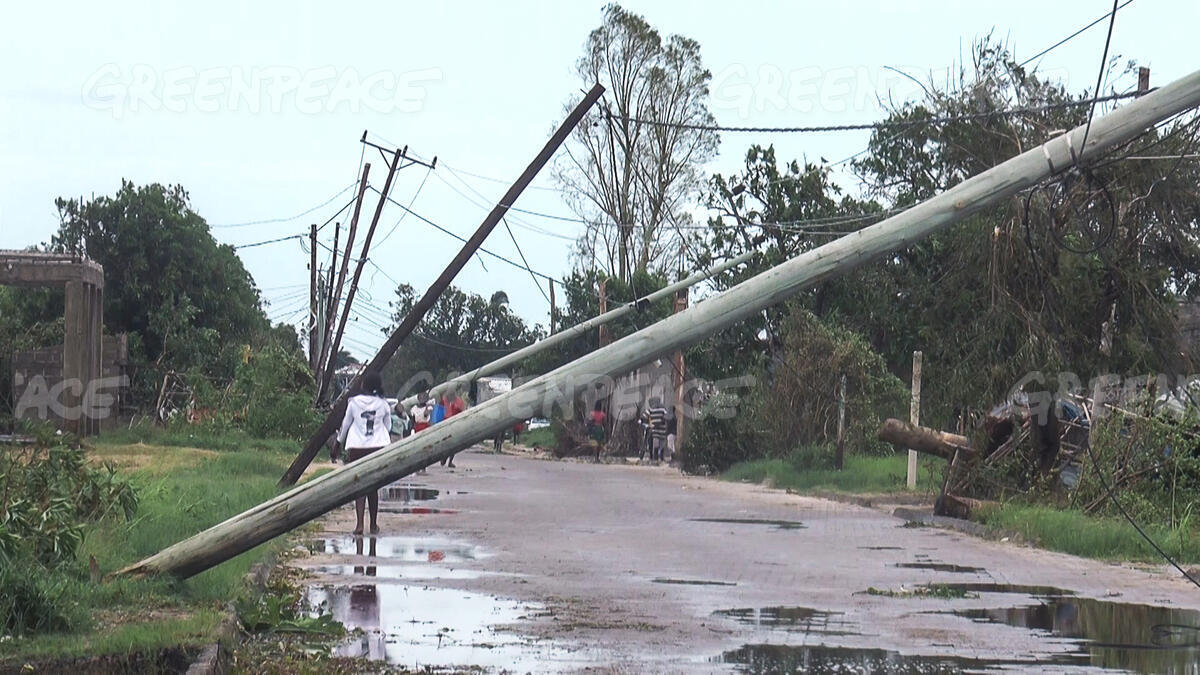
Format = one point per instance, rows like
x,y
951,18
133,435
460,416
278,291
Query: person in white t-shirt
x,y
365,430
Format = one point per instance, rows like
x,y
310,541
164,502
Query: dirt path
x,y
540,565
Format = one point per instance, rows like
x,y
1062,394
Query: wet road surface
x,y
523,565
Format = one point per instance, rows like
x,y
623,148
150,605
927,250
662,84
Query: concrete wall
x,y
39,391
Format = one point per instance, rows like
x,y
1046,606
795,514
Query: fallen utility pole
x,y
328,348
327,492
414,317
509,360
393,166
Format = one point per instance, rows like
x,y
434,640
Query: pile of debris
x,y
1044,444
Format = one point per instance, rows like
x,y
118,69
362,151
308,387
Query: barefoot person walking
x,y
365,430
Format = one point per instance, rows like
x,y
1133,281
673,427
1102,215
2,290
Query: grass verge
x,y
1103,538
182,490
861,473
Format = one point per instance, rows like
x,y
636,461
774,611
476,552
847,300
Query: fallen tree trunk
x,y
954,506
926,440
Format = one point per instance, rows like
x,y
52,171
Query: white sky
x,y
481,85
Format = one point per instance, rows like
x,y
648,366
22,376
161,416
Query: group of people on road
x,y
371,421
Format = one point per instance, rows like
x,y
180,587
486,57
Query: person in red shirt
x,y
454,404
595,422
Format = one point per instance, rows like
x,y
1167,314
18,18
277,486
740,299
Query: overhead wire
x,y
875,126
1070,37
1112,20
288,218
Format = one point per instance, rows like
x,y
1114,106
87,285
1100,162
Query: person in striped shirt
x,y
656,416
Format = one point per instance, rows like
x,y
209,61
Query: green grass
x,y
182,490
861,473
543,437
1087,536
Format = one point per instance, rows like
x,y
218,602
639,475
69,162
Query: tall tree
x,y
632,172
184,296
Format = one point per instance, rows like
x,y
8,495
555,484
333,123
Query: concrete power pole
x,y
329,491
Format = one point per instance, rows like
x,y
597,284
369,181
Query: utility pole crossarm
x,y
393,462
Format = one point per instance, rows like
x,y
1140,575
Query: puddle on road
x,y
1141,638
881,548
692,582
414,572
762,658
777,524
417,627
941,567
397,549
791,619
407,493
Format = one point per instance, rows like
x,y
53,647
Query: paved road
x,y
533,565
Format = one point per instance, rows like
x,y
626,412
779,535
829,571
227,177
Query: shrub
x,y
32,602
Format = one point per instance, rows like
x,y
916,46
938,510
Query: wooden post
x,y
312,300
681,304
914,416
439,285
840,459
603,294
1143,80
553,307
395,461
332,346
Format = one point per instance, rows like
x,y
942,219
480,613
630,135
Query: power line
x,y
1112,20
268,241
523,259
1063,41
290,218
902,124
410,203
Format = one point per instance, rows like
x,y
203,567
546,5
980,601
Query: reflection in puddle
x,y
778,524
941,567
418,627
1142,638
397,549
385,507
1016,589
395,571
791,619
822,659
691,582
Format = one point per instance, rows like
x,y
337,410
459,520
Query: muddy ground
x,y
513,563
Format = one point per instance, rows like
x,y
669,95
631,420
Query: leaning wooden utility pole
x,y
328,347
358,268
312,299
553,307
422,306
506,362
324,493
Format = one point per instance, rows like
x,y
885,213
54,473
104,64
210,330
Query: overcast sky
x,y
257,108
